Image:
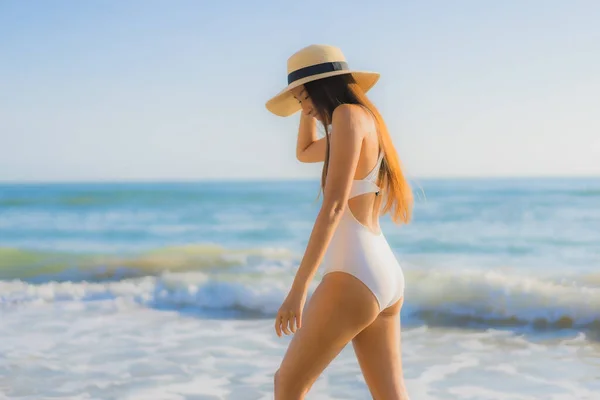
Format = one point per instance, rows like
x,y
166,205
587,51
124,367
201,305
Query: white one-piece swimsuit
x,y
364,254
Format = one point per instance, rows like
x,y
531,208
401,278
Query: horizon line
x,y
283,180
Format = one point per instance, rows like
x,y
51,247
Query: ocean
x,y
168,290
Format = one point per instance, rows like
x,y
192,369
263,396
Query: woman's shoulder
x,y
351,117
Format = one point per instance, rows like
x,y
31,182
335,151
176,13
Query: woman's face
x,y
306,103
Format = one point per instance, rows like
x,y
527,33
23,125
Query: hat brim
x,y
284,104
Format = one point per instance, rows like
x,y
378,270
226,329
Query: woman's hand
x,y
289,316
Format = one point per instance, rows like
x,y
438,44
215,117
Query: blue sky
x,y
157,90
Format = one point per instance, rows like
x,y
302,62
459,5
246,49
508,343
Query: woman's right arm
x,y
309,149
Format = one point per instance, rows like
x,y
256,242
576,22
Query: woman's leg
x,y
340,308
378,351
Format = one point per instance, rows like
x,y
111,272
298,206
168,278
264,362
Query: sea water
x,y
168,290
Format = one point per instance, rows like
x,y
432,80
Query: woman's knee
x,y
287,388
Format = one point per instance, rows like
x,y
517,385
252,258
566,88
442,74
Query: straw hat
x,y
309,64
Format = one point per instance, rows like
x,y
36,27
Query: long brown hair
x,y
328,93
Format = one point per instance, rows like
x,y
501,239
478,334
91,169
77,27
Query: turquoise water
x,y
532,224
489,257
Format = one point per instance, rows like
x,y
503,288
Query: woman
x,y
361,293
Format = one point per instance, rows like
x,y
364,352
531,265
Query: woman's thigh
x,y
378,351
340,308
